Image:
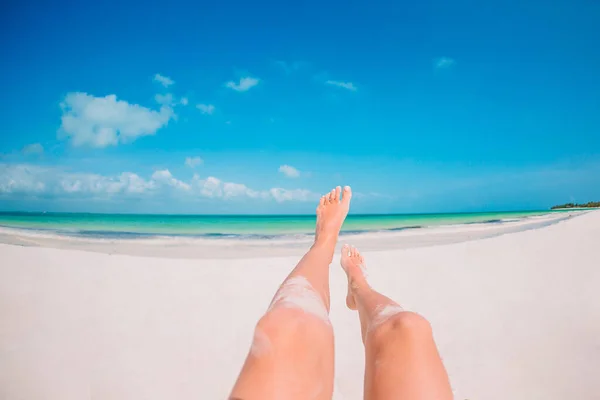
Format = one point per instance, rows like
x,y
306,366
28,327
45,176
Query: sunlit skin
x,y
292,354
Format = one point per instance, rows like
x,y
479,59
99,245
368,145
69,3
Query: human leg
x,y
292,351
401,358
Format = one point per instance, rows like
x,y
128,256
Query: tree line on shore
x,y
590,204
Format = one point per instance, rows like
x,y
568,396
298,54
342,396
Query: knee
x,y
401,325
290,325
280,321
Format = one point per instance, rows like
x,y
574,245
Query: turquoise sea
x,y
139,225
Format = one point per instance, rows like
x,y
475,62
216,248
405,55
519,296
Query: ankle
x,y
325,241
358,282
325,245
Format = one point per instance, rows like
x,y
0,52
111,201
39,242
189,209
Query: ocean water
x,y
266,226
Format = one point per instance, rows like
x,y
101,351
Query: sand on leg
x,y
292,352
401,358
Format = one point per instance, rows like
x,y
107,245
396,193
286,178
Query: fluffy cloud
x,y
31,180
184,101
245,84
193,162
345,85
105,121
215,188
33,149
209,187
24,179
281,195
444,62
132,183
164,177
206,108
166,99
163,80
231,189
94,184
289,171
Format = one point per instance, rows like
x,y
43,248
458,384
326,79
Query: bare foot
x,y
331,213
354,266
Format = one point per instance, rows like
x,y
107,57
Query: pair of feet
x,y
331,212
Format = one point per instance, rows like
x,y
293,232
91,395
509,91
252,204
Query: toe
x,y
345,250
327,198
322,201
338,191
353,251
347,195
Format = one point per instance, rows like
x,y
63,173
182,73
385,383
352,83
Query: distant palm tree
x,y
591,204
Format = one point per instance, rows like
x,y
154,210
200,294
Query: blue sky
x,y
420,107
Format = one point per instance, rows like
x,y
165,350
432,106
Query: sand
x,y
516,316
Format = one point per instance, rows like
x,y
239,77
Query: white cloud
x,y
209,187
163,80
206,108
289,171
30,180
231,189
134,184
105,121
245,84
444,62
281,195
346,85
215,188
193,162
33,149
164,177
184,101
33,180
166,99
22,178
99,185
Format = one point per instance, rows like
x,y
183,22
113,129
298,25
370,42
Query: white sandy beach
x,y
515,316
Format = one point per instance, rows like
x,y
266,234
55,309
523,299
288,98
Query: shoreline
x,y
202,247
252,226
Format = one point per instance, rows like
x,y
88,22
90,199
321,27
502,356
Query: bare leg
x,y
292,352
401,358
